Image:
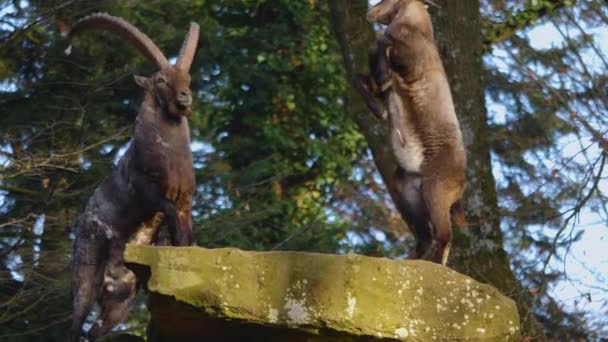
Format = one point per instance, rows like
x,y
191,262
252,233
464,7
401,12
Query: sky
x,y
587,262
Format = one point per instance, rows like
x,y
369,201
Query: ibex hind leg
x,y
88,266
406,190
118,295
85,292
438,201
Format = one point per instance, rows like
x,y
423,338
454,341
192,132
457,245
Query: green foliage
x,y
269,112
277,123
280,163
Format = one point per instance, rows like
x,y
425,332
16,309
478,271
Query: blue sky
x,y
586,264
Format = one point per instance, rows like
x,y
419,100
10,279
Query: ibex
x,y
408,86
153,181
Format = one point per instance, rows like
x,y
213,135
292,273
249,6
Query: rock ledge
x,y
350,296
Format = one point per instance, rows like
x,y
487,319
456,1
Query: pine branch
x,y
19,190
495,33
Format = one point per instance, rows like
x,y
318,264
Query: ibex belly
x,y
405,141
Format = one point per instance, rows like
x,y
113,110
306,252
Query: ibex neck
x,y
153,124
151,110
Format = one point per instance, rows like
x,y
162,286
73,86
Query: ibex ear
x,y
142,81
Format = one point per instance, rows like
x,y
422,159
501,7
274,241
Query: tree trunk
x,y
355,36
478,249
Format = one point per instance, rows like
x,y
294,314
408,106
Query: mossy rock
x,y
326,295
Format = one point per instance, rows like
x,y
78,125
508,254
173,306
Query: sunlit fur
x,y
409,82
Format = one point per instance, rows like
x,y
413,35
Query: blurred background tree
x,y
287,157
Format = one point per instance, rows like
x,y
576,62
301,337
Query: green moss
x,y
358,295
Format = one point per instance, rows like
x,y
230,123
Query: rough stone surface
x,y
348,294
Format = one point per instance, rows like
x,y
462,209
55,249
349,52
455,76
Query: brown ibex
x,y
409,87
153,181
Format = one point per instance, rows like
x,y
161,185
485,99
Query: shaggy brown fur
x,y
153,181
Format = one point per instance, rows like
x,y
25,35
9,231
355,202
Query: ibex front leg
x,y
183,229
373,87
183,232
179,235
379,64
154,199
179,222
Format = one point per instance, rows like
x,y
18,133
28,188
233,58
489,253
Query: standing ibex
x,y
409,85
153,181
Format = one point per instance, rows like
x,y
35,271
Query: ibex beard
x,y
153,181
409,88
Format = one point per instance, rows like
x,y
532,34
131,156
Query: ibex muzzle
x,y
172,86
153,181
409,87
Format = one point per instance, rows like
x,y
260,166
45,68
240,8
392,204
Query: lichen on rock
x,y
350,294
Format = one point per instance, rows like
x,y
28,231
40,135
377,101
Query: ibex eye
x,y
161,80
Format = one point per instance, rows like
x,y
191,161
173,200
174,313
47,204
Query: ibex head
x,y
172,89
412,12
171,83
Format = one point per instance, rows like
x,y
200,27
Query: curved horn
x,y
125,30
186,53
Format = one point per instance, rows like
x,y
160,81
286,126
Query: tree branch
x,y
495,33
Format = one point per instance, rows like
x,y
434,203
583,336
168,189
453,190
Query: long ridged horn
x,y
125,30
186,53
430,2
